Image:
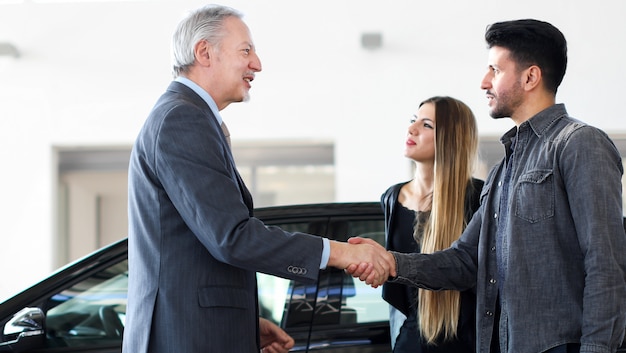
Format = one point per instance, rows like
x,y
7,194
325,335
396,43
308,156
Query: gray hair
x,y
205,23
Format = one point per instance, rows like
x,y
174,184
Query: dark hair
x,y
532,42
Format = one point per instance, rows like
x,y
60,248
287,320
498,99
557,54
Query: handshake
x,y
363,258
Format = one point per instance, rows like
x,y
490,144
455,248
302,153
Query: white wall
x,y
90,71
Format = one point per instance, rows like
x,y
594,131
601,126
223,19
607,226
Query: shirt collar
x,y
203,94
538,123
544,119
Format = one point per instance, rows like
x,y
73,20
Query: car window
x,y
338,299
91,310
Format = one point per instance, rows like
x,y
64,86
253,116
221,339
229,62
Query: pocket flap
x,y
224,297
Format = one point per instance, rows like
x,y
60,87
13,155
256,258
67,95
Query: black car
x,y
81,307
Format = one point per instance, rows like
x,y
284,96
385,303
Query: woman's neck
x,y
416,195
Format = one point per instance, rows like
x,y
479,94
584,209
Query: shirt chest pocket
x,y
534,196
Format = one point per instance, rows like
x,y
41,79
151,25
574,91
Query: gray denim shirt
x,y
564,245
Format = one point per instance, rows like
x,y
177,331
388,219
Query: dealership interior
x,y
326,121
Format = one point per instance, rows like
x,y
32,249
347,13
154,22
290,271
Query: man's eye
x,y
247,50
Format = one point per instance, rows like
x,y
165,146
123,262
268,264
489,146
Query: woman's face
x,y
420,142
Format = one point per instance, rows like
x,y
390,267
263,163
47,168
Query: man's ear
x,y
202,53
532,77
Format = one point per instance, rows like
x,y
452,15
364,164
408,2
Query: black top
x,y
399,223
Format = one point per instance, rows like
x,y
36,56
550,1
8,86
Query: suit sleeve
x,y
199,176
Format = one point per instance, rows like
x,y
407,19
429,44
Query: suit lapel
x,y
180,88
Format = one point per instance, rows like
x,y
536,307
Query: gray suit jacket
x,y
194,247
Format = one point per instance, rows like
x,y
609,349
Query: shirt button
x,y
499,183
492,281
488,313
493,248
495,215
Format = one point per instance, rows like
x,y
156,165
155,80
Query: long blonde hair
x,y
456,144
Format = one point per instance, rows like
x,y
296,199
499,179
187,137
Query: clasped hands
x,y
363,258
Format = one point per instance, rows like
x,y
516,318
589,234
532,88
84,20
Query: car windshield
x,y
93,308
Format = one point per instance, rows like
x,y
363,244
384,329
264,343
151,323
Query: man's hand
x,y
375,263
273,338
365,271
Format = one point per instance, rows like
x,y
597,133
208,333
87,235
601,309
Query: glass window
x,y
273,291
291,184
91,310
338,299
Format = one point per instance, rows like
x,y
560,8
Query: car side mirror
x,y
24,330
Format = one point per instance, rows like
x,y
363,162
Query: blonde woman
x,y
442,141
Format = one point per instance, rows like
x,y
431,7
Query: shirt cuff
x,y
325,253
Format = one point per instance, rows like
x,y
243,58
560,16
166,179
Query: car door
x,y
338,313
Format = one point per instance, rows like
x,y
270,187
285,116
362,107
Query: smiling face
x,y
420,142
234,63
503,84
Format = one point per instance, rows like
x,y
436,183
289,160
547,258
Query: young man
x,y
546,248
